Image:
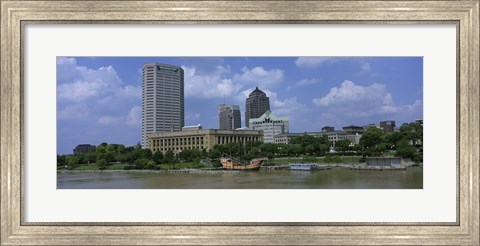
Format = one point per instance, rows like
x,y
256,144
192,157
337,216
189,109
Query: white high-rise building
x,y
271,126
162,99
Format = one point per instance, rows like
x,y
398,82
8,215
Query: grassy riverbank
x,y
193,165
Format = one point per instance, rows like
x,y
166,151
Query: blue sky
x,y
99,98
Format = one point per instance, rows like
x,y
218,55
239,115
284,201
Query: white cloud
x,y
259,76
357,100
289,107
108,120
305,82
418,104
78,83
194,116
314,62
302,83
218,84
134,117
99,90
78,91
366,70
129,91
353,100
211,85
77,111
366,66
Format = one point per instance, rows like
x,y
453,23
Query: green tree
x,y
100,149
310,149
90,157
342,145
102,163
140,163
121,149
296,149
74,160
158,157
269,150
405,150
146,154
169,158
150,165
391,139
123,158
371,140
214,153
413,132
204,153
109,157
61,160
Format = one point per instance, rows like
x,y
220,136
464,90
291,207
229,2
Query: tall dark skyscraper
x,y
257,104
229,117
162,99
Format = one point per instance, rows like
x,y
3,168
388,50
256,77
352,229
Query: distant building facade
x,y
271,125
199,139
286,138
256,105
388,125
192,128
352,130
335,136
353,134
229,117
162,99
84,148
328,129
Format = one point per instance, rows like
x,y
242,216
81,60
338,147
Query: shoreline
x,y
351,166
200,171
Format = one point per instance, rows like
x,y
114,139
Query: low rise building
x,y
328,129
354,139
84,148
335,136
200,139
353,130
286,138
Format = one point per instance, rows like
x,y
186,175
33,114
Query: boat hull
x,y
230,164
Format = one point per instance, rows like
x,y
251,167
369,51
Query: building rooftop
x,y
270,115
257,91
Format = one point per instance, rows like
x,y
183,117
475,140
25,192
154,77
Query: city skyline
x,y
99,98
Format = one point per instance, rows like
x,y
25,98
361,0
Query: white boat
x,y
303,166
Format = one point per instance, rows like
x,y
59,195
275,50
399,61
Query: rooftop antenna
x,y
223,96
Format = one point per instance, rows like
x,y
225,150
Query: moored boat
x,y
303,166
232,164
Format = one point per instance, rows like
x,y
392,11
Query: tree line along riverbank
x,y
406,143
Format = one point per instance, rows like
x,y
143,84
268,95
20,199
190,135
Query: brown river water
x,y
336,178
